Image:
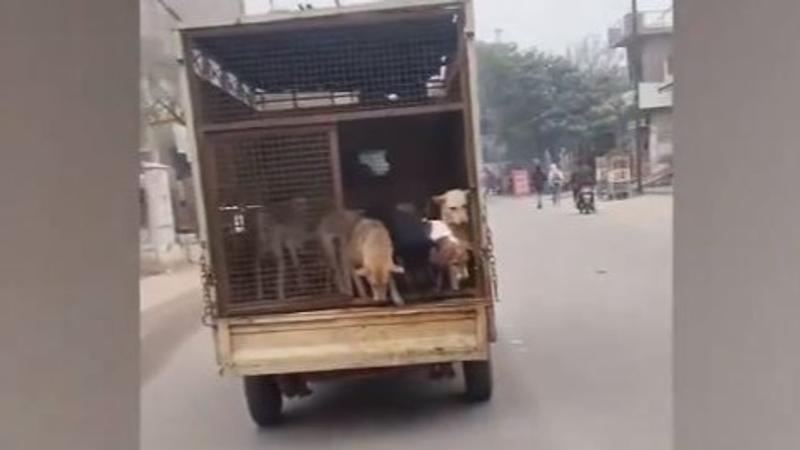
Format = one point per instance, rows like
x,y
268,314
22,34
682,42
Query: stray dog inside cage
x,y
371,253
449,257
280,227
350,122
333,235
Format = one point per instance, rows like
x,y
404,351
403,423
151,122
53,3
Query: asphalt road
x,y
583,360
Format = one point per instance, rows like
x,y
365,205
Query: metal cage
x,y
271,103
397,59
270,189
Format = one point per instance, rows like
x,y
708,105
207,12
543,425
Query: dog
x,y
410,240
449,258
333,234
283,226
370,253
453,210
453,206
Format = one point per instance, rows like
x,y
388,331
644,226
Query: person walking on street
x,y
489,182
555,177
538,180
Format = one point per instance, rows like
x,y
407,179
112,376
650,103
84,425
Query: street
x,y
582,362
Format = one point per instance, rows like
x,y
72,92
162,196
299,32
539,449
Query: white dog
x,y
454,211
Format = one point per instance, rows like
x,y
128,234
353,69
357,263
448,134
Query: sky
x,y
551,25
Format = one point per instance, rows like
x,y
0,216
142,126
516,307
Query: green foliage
x,y
535,102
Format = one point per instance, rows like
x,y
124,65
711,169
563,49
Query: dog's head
x,y
453,206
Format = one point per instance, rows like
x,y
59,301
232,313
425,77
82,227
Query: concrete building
x,y
651,48
163,150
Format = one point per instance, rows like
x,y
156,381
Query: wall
x,y
158,53
655,52
68,277
660,138
737,225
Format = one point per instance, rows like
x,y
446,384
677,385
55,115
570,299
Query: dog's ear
x,y
439,199
362,272
466,193
398,270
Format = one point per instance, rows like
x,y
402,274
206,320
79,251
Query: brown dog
x,y
333,234
370,253
449,257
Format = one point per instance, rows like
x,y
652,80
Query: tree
x,y
537,103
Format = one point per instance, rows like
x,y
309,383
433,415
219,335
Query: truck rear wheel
x,y
264,399
478,380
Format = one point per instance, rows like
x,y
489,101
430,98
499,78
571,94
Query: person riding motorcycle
x,y
581,178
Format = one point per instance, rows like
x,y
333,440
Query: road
x,y
583,360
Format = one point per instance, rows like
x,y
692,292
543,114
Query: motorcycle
x,y
585,200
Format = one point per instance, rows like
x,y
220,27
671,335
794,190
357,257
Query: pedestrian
x,y
489,182
538,180
555,177
508,184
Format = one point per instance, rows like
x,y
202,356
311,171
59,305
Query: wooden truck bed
x,y
346,339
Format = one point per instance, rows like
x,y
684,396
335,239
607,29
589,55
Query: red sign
x,y
521,182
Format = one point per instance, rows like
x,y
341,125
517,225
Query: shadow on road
x,y
381,402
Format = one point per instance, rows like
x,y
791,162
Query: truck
x,y
342,108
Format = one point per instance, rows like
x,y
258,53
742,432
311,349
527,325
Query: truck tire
x,y
478,380
264,400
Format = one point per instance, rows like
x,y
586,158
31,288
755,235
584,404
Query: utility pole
x,y
498,35
635,59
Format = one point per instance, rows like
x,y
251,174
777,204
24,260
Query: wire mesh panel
x,y
271,189
258,72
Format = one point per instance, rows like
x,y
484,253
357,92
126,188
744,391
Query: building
x,y
650,51
164,155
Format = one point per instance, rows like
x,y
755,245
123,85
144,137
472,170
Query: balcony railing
x,y
650,22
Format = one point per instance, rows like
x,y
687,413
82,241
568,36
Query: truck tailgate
x,y
353,338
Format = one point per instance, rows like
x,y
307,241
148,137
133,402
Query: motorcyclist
x,y
580,178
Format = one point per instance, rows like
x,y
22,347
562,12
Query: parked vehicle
x,y
614,176
303,121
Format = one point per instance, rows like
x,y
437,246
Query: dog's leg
x,y
439,279
344,270
359,282
277,252
453,276
259,280
294,253
394,294
339,266
333,279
